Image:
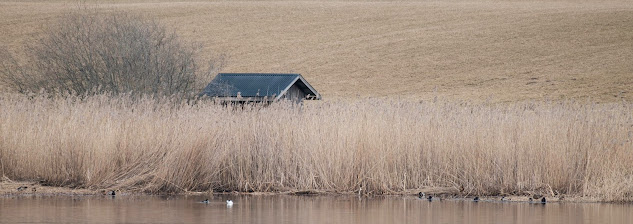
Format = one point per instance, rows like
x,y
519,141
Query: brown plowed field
x,y
501,51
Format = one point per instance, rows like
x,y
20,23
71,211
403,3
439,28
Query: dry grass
x,y
380,145
502,51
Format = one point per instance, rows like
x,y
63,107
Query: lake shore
x,y
382,147
28,188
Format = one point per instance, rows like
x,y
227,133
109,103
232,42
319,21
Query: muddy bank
x,y
26,188
11,188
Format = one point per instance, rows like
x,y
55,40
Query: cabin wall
x,y
295,94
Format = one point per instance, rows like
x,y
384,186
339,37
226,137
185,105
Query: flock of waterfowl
x,y
421,195
534,199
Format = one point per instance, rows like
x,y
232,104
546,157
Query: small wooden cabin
x,y
260,88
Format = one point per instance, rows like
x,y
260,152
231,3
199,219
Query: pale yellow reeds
x,y
384,146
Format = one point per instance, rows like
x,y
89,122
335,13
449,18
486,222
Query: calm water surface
x,y
298,209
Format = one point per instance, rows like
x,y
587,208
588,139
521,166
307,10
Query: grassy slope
x,y
498,51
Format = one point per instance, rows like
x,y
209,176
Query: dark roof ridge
x,y
273,85
260,74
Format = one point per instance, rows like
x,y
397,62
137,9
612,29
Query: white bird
x,y
229,203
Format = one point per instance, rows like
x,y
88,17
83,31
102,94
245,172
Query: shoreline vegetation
x,y
578,150
11,189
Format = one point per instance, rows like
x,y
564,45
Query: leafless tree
x,y
91,52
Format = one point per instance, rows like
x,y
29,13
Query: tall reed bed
x,y
383,146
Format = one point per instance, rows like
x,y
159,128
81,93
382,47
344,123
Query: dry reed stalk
x,y
383,146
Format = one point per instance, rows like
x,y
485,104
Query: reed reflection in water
x,y
298,209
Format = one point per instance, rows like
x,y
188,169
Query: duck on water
x,y
229,203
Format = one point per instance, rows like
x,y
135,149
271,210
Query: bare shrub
x,y
90,52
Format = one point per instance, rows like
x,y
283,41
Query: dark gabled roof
x,y
269,85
